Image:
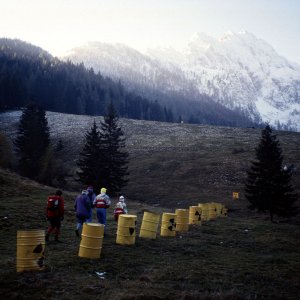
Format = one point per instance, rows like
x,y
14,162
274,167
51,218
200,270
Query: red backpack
x,y
53,204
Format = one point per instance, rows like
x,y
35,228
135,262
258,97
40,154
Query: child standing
x,y
120,208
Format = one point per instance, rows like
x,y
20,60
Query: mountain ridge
x,y
238,71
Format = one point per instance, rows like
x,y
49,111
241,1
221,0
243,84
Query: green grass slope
x,y
227,258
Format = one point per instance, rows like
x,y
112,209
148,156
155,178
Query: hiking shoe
x,y
77,233
58,241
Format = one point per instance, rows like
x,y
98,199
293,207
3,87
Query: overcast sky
x,y
59,25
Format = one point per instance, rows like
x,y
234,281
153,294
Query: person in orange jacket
x,y
55,214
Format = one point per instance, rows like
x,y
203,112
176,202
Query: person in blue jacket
x,y
92,196
82,207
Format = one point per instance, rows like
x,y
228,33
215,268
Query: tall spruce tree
x,y
32,140
115,163
91,160
268,186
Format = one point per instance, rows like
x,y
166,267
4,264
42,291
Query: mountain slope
x,y
150,78
170,163
136,69
239,71
242,70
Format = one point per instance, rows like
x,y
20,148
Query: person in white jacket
x,y
102,202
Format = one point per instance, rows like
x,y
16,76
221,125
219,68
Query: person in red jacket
x,y
55,214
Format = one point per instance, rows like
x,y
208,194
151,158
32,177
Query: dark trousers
x,y
55,224
80,220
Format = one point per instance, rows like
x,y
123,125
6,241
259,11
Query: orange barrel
x,y
212,211
149,225
168,225
126,230
91,240
204,211
30,250
195,215
182,219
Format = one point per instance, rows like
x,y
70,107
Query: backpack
x,y
53,204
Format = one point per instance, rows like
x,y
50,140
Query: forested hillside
x,y
30,74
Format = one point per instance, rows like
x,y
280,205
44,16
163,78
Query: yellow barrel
x,y
212,211
224,212
91,240
126,230
204,211
219,207
195,215
182,219
149,225
168,225
30,250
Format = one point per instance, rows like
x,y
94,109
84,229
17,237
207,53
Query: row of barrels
x,y
31,244
180,220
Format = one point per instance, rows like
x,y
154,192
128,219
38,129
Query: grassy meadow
x,y
226,258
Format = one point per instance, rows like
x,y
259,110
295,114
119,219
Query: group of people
x,y
84,204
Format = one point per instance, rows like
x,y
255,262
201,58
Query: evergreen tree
x,y
32,140
91,160
115,157
268,186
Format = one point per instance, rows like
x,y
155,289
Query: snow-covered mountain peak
x,y
241,70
